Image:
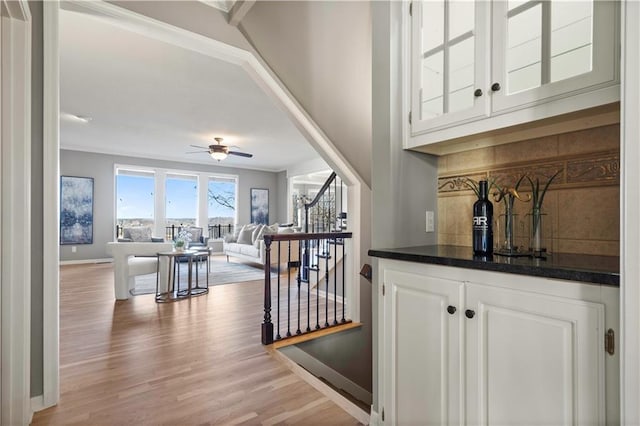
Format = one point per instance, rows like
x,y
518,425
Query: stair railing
x,y
321,215
299,307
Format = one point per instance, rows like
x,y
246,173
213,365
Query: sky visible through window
x,y
225,190
182,198
136,198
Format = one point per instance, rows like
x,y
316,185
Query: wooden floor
x,y
196,361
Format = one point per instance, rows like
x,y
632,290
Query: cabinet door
x,y
551,49
422,363
533,359
449,62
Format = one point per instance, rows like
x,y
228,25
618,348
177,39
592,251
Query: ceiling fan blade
x,y
201,147
196,152
241,154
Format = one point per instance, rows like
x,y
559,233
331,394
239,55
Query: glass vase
x,y
540,237
506,233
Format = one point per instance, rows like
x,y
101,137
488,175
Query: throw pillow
x,y
138,233
266,230
256,232
196,234
244,237
286,231
233,237
270,230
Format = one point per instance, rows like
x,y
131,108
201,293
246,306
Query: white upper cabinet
x,y
449,41
547,49
478,66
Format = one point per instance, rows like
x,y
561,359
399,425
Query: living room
x,y
110,128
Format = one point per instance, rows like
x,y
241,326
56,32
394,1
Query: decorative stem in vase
x,y
536,243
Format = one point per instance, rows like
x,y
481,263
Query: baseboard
x,y
331,296
37,404
319,369
83,261
375,418
351,408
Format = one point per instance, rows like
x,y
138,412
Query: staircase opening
x,y
310,296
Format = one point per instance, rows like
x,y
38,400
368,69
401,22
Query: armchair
x,y
198,239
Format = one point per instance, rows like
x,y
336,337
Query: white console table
x,y
123,280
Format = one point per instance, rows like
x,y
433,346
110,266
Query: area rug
x,y
220,273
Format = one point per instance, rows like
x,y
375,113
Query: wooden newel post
x,y
267,325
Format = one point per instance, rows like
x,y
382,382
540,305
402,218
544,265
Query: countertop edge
x,y
592,277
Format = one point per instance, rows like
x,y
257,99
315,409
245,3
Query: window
x,y
161,198
221,199
135,198
181,199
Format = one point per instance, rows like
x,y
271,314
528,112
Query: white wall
x,y
190,15
404,183
321,50
100,167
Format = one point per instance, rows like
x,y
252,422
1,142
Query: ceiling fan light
x,y
218,155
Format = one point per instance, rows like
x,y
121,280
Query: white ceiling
x,y
150,99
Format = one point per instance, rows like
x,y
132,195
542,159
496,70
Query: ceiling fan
x,y
219,152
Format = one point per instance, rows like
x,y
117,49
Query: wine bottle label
x,y
480,223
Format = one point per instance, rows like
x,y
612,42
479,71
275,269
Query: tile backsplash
x,y
582,204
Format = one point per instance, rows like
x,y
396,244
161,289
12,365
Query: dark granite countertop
x,y
575,267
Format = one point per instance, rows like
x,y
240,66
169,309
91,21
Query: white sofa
x,y
252,249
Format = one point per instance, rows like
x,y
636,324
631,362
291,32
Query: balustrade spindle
x,y
326,288
335,282
317,293
343,279
267,325
299,279
278,337
289,295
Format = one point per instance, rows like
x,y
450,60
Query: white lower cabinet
x,y
464,347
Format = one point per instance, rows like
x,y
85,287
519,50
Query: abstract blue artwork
x,y
76,210
260,206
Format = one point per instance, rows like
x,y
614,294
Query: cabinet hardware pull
x,y
610,342
451,309
477,93
495,87
469,313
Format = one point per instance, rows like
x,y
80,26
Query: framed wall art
x,y
76,210
260,206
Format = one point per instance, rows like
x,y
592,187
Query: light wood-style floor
x,y
196,361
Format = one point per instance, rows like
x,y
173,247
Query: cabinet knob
x,y
495,87
451,309
469,313
477,93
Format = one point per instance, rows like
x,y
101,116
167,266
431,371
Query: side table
x,y
172,292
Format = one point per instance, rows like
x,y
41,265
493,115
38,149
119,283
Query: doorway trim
x,y
15,199
51,207
257,69
629,225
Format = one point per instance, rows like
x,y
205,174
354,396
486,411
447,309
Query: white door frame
x,y
15,199
51,207
630,208
257,69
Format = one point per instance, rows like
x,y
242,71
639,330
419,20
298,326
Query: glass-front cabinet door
x,y
449,63
549,48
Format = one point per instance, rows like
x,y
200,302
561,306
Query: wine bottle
x,y
483,222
